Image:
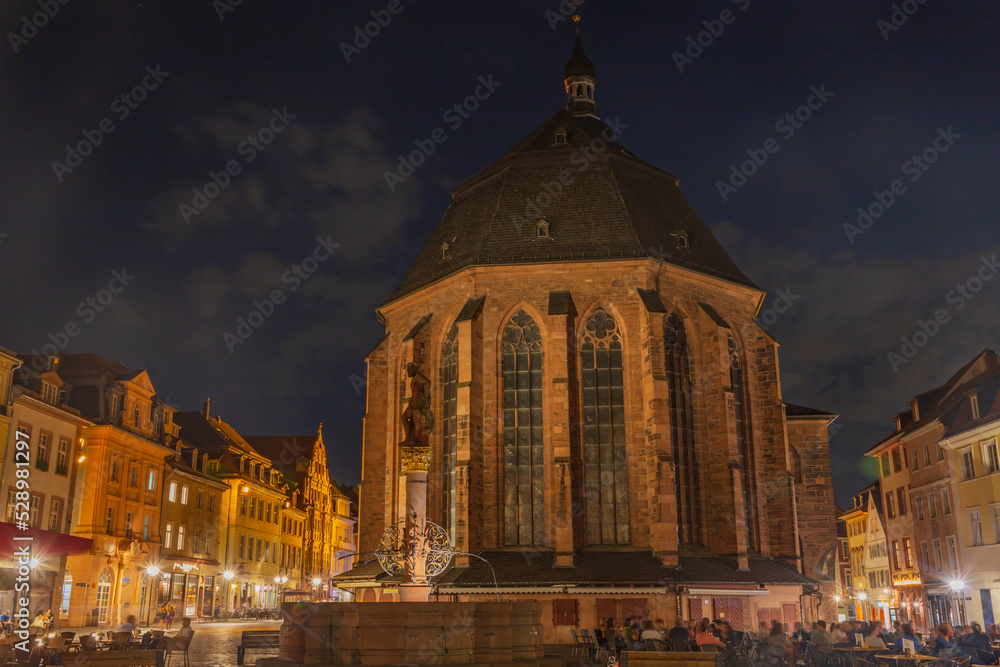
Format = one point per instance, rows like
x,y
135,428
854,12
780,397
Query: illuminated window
x,y
605,463
180,537
184,495
523,445
151,481
172,492
55,514
168,535
62,457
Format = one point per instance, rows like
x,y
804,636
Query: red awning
x,y
44,543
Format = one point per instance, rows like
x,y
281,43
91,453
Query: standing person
x,y
170,616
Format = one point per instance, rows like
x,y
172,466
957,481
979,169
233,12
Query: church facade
x,y
608,426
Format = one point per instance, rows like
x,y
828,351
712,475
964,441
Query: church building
x,y
608,430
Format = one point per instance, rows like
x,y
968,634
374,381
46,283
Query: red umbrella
x,y
43,543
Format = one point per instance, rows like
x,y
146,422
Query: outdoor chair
x,y
577,642
681,645
655,645
120,640
183,651
601,645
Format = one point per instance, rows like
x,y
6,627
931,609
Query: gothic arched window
x,y
605,466
744,447
678,366
449,426
523,451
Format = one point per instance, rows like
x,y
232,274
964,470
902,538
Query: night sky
x,y
206,85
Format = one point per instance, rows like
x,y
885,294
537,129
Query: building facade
x,y
189,564
54,432
250,510
608,428
116,501
972,453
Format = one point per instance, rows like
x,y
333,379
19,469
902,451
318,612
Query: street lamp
x,y
863,596
152,571
957,586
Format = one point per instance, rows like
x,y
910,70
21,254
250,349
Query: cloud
x,y
853,310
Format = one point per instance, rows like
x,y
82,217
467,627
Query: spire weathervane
x,y
579,79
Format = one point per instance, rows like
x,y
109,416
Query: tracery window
x,y
605,471
678,367
523,450
449,430
744,447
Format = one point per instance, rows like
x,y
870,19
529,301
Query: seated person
x,y
179,641
649,631
943,642
820,637
906,632
873,637
839,633
679,631
800,634
727,635
6,627
704,636
129,625
977,639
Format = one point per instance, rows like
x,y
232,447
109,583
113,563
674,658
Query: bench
x,y
257,639
130,658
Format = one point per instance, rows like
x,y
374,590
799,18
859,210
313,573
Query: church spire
x,y
579,79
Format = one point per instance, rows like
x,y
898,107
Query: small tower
x,y
579,79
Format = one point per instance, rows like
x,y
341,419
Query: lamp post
x,y
228,576
864,614
316,582
958,588
152,571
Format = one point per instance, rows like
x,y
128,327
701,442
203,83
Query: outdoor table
x,y
912,659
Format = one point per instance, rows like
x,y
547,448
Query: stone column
x,y
416,585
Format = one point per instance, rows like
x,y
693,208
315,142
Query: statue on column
x,y
418,421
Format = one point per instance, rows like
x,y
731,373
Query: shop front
x,y
189,589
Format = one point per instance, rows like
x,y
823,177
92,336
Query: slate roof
x,y
614,206
627,567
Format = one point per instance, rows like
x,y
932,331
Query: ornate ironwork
x,y
393,548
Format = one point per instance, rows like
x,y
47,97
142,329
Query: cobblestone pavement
x,y
214,644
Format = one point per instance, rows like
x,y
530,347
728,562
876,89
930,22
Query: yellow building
x,y
302,460
293,525
116,500
189,566
972,448
856,519
250,516
8,364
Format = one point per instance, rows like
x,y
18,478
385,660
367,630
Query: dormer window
x,y
49,393
682,239
445,250
560,139
543,229
135,417
115,403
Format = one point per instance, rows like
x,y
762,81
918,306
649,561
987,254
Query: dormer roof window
x,y
543,229
445,250
560,138
682,239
